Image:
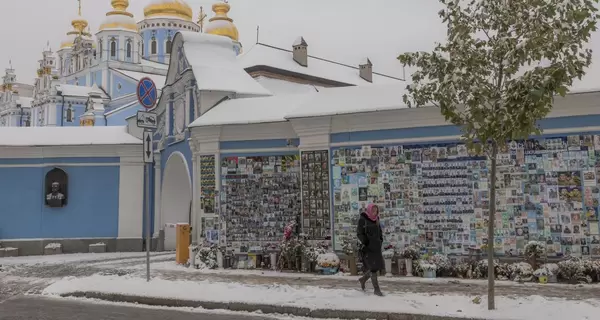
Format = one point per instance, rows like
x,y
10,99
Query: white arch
x,y
176,195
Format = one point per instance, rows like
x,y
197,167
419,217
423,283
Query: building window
x,y
69,114
153,46
113,48
100,47
128,48
169,45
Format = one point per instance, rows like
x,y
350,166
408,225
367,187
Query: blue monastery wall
x,y
128,85
93,199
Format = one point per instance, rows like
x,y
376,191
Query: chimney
x,y
300,52
366,70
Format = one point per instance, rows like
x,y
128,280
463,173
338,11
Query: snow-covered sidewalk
x,y
529,308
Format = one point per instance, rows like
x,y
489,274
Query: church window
x,y
113,48
153,46
128,48
100,47
169,45
69,114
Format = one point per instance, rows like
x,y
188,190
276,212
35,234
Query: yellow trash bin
x,y
182,239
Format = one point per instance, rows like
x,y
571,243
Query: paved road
x,y
40,308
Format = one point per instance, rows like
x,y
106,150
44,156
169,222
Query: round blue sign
x,y
147,93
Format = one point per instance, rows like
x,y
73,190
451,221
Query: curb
x,y
254,307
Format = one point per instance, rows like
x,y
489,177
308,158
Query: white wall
x,y
131,197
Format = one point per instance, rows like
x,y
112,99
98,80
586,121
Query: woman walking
x,y
370,235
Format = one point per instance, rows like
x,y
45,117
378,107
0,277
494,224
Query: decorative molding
x,y
262,150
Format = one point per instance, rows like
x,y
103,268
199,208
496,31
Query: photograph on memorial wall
x,y
438,195
259,196
316,217
207,184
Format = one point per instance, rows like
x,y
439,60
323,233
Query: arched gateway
x,y
176,196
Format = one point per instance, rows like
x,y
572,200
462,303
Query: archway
x,y
176,196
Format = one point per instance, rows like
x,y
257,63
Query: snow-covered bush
x,y
521,271
535,249
442,263
428,266
503,271
349,246
328,260
462,270
312,251
205,256
411,252
575,270
481,269
548,269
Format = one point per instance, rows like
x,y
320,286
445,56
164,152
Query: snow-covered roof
x,y
65,136
158,79
154,64
347,100
251,110
277,86
79,91
215,66
282,59
326,102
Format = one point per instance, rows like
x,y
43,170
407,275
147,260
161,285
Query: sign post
x,y
147,94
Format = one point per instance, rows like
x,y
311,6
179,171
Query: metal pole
x,y
147,213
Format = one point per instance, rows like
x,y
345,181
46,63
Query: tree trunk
x,y
491,225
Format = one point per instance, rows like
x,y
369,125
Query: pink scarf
x,y
370,212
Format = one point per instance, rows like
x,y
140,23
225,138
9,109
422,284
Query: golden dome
x,y
119,18
169,8
79,24
221,24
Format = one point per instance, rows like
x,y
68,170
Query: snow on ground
x,y
76,257
197,310
172,266
530,308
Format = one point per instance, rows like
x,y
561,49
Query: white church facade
x,y
251,139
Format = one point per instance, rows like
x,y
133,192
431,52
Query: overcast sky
x,y
341,30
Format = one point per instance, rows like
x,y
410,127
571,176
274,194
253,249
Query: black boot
x,y
363,280
375,282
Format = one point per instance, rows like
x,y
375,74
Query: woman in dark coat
x,y
370,235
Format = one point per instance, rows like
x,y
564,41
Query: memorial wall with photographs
x,y
259,197
437,195
316,216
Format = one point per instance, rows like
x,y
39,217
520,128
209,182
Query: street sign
x,y
148,154
147,120
147,93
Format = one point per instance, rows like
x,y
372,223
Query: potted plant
x,y
328,263
410,254
542,275
388,255
429,269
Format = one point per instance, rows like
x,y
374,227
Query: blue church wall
x,y
128,85
93,199
161,38
78,111
120,118
96,78
450,130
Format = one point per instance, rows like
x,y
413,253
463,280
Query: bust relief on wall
x,y
56,185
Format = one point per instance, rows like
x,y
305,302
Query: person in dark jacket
x,y
369,233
